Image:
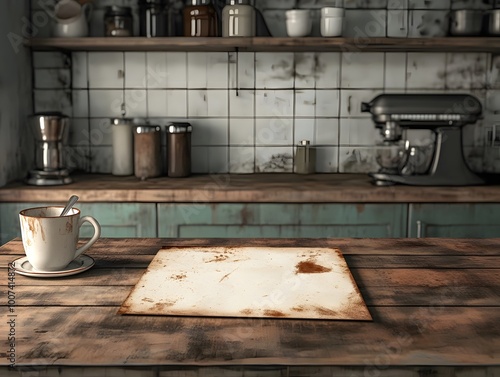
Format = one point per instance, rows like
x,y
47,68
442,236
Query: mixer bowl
x,y
49,126
392,156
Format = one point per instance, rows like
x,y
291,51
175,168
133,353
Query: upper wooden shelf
x,y
450,44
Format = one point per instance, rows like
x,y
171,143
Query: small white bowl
x,y
331,26
332,12
298,28
298,14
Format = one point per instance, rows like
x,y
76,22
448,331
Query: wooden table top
x,y
434,302
245,188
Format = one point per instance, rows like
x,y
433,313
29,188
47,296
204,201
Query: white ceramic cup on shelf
x,y
50,240
298,22
332,20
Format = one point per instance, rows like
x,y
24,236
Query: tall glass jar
x,y
153,20
238,19
118,21
200,19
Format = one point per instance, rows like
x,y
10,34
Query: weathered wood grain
x,y
365,246
267,44
405,336
245,188
435,304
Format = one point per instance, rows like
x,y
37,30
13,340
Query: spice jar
x,y
200,19
305,158
238,19
153,18
179,149
147,152
123,146
118,21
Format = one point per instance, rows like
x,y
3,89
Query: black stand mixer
x,y
445,115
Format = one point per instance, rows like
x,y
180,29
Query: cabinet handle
x,y
419,229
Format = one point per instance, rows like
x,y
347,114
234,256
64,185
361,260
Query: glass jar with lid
x,y
200,19
238,19
118,21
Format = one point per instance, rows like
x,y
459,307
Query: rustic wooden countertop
x,y
232,188
435,305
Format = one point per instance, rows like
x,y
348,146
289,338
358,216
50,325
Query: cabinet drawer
x,y
454,220
281,220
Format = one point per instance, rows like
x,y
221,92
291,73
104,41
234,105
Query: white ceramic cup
x,y
50,241
298,22
71,19
332,20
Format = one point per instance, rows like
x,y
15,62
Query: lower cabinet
x,y
116,219
281,220
457,220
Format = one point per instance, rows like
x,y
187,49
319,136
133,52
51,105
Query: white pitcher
x,y
71,19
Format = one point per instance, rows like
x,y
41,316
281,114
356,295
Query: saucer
x,y
80,264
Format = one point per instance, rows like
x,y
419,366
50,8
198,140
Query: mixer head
x,y
391,112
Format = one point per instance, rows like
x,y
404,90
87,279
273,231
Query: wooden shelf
x,y
449,44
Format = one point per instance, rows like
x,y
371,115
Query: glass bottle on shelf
x,y
200,19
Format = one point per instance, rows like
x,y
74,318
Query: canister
x,y
153,18
179,149
147,151
123,146
305,158
118,21
200,19
238,19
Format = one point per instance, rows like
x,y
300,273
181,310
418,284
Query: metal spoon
x,y
71,203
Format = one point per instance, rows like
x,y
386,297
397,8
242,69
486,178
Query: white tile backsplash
x,y
466,70
395,70
106,70
207,70
213,131
372,66
327,71
426,71
79,70
327,159
105,103
207,103
273,131
274,160
350,102
80,103
274,70
135,70
241,103
275,103
52,78
241,131
241,160
356,132
136,103
249,110
241,70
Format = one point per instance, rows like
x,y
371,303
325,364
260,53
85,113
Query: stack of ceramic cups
x,y
332,20
298,22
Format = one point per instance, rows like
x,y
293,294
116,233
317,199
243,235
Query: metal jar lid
x,y
179,128
116,10
122,121
146,129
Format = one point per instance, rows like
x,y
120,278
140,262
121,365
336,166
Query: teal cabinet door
x,y
116,219
454,220
281,220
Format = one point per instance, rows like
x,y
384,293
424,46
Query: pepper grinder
x,y
305,158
